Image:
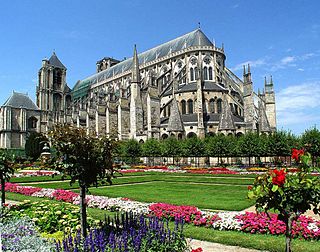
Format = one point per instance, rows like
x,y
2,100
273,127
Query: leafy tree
x,y
311,142
6,170
86,158
131,149
193,147
34,145
151,148
249,145
171,147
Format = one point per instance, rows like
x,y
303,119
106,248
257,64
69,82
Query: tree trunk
x,y
3,197
288,232
83,210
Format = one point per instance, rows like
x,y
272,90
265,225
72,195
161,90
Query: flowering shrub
x,y
262,223
278,177
129,233
20,234
168,211
64,195
25,190
49,217
289,194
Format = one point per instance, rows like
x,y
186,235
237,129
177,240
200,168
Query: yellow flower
x,y
58,212
35,219
65,216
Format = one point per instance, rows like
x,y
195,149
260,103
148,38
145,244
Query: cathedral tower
x,y
53,94
270,103
248,98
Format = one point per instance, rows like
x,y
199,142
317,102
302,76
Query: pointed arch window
x,y
169,110
190,107
183,107
191,74
211,106
205,73
196,74
219,106
165,112
210,73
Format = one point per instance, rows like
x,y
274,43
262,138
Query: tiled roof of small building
x,y
19,100
54,61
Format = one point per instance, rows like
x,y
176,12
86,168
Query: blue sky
x,y
278,38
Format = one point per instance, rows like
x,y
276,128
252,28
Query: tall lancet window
x,y
191,74
205,73
190,107
211,106
210,73
183,107
196,74
219,106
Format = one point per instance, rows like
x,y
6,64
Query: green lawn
x,y
204,191
204,196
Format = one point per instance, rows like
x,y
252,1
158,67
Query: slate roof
x,y
226,119
209,117
194,38
192,87
175,123
54,61
19,100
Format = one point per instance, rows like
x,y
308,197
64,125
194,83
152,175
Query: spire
x,y
248,68
271,81
244,70
265,80
226,121
135,67
175,122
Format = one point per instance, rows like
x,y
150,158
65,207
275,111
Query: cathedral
x,y
181,89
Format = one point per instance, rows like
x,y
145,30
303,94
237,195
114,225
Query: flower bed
x,y
304,227
25,173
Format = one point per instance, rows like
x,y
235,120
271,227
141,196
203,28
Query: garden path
x,y
217,247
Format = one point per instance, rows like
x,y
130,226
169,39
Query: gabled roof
x,y
19,100
264,125
175,123
226,119
54,61
194,38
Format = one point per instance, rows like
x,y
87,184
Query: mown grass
x,y
204,196
269,243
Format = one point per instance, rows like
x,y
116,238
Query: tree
x,y
86,158
171,147
193,147
288,194
311,142
151,148
34,145
6,170
249,145
132,150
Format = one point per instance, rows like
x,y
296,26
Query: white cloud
x,y
298,104
287,60
300,69
252,63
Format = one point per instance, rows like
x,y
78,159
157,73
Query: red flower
x,y
296,154
197,250
249,187
278,177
